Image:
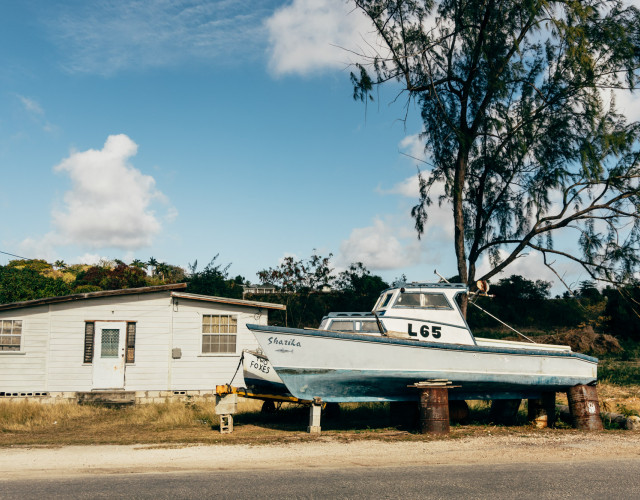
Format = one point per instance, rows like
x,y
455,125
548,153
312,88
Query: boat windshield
x,y
384,301
422,300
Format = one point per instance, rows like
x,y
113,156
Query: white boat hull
x,y
260,377
340,367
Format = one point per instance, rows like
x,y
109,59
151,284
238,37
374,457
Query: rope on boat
x,y
488,313
500,321
237,368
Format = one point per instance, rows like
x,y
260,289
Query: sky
x,y
186,129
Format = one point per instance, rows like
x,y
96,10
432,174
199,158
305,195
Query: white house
x,y
152,342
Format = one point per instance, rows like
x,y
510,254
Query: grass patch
x,y
623,373
173,424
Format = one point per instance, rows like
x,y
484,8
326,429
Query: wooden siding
x,y
52,354
68,372
198,371
26,370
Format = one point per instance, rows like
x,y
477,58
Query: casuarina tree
x,y
520,124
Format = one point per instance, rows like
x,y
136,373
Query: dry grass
x,y
178,423
619,399
26,416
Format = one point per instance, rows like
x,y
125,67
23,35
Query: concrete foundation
x,y
315,413
141,397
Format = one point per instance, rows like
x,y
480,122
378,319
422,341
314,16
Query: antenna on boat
x,y
442,278
481,286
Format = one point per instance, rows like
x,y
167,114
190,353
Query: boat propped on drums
x,y
422,335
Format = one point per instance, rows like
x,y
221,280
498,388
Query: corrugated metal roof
x,y
91,295
228,300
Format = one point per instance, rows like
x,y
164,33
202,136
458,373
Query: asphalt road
x,y
584,480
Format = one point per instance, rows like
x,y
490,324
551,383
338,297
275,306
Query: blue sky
x,y
185,129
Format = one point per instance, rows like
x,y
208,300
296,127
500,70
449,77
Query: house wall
x,y
198,371
152,314
52,352
26,370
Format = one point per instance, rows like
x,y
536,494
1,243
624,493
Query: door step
x,y
107,398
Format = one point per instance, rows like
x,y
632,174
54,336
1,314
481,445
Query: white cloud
x,y
384,245
90,259
413,146
308,36
408,188
391,242
31,105
628,104
108,37
39,248
36,113
109,204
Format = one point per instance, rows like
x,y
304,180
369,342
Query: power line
x,y
14,255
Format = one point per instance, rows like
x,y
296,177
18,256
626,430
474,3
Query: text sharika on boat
x,y
276,340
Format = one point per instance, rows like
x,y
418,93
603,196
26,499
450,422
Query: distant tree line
x,y
310,288
527,304
22,280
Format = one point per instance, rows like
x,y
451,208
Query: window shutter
x,y
131,343
89,334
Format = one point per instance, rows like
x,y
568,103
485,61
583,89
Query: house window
x,y
110,340
89,335
131,342
219,333
10,334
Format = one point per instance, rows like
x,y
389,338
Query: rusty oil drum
x,y
585,410
434,410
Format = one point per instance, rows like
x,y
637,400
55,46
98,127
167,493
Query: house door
x,y
108,357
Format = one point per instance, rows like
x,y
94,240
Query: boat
x,y
260,376
422,336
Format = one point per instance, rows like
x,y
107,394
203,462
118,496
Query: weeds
x,y
627,412
619,372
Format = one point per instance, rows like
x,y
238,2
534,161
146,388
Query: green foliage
x,y
121,276
627,412
619,372
356,289
518,288
37,265
623,311
358,280
212,280
18,284
540,315
588,291
525,303
294,275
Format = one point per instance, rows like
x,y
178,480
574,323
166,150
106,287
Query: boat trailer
x,y
227,401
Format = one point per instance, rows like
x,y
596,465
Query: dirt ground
x,y
322,452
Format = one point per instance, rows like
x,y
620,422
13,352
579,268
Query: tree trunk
x,y
458,220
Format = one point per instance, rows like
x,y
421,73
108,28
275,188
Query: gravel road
x,y
328,452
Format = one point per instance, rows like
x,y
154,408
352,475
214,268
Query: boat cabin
x,y
424,311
